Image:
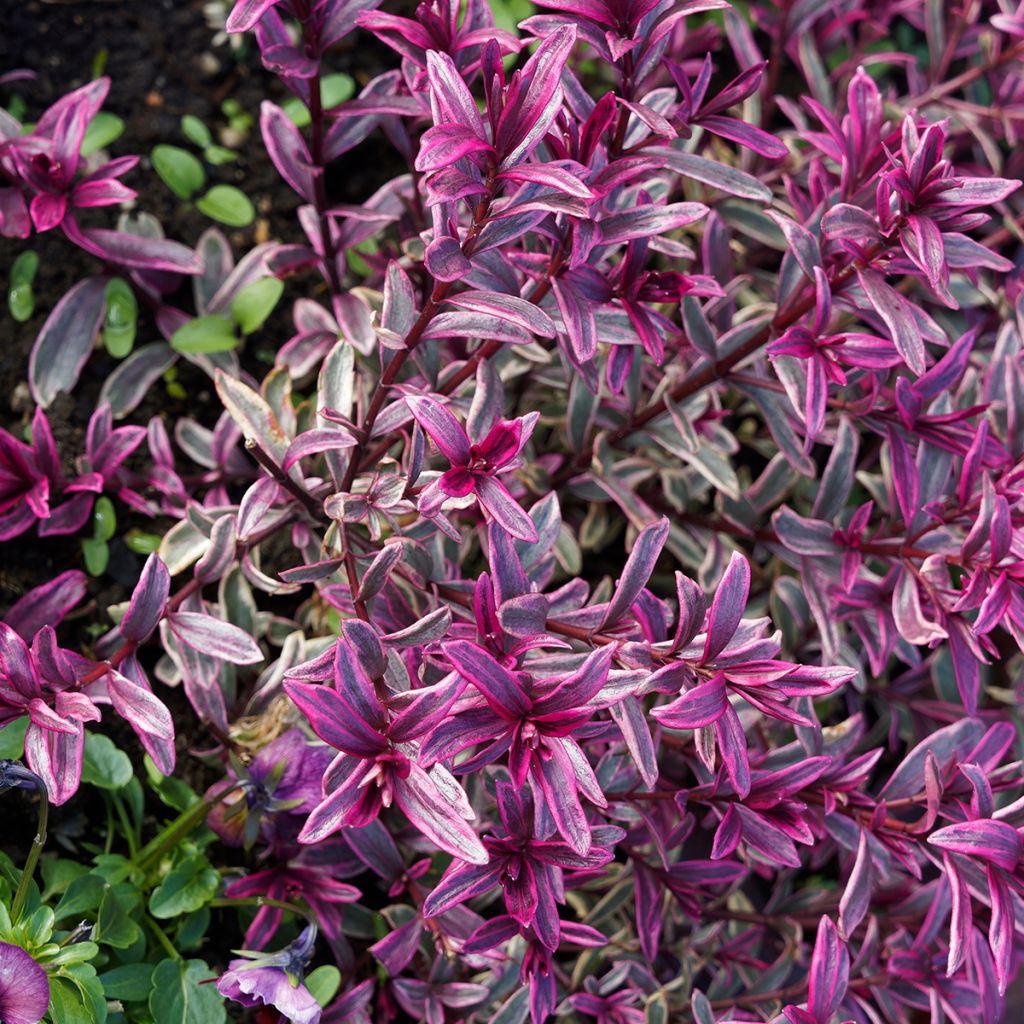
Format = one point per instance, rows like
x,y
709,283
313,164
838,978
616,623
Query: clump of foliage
x,y
610,605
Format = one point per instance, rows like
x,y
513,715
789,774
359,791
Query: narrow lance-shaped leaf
x,y
728,605
66,339
637,570
214,637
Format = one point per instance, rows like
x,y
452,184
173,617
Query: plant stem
x,y
129,832
184,825
38,841
260,901
161,937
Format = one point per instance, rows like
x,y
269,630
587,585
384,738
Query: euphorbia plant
x,y
631,534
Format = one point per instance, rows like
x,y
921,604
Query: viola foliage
x,y
611,602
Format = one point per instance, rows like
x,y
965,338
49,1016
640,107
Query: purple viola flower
x,y
475,466
275,979
24,988
283,778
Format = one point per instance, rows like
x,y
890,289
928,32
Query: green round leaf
x,y
334,89
195,131
218,155
323,983
20,298
179,997
104,129
141,543
205,334
255,302
23,270
96,555
104,519
21,301
119,325
192,882
229,205
131,982
12,739
179,170
103,764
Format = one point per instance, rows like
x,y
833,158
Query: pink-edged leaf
x,y
628,715
57,759
214,637
47,604
733,746
649,221
103,192
148,601
316,442
562,799
1001,926
923,244
287,149
512,308
897,317
553,177
446,144
441,427
995,842
451,93
445,259
728,605
496,684
476,325
334,721
399,946
830,972
960,918
748,135
66,339
977,191
856,896
905,478
495,499
637,570
139,707
721,176
844,221
379,571
430,811
696,708
525,121
348,785
247,13
135,251
421,710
